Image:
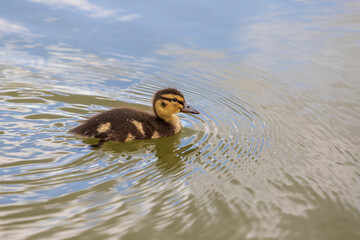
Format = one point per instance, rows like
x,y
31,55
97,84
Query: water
x,y
274,153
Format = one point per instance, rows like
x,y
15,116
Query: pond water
x,y
273,154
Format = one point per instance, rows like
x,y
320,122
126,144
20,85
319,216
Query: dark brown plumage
x,y
125,124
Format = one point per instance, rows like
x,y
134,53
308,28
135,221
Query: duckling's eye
x,y
174,100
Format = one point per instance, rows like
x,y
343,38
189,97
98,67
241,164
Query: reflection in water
x,y
7,28
167,151
274,153
92,9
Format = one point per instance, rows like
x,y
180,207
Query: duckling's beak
x,y
189,109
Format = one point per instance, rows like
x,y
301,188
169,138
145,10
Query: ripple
x,y
227,132
263,150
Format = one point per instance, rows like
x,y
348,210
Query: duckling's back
x,y
123,125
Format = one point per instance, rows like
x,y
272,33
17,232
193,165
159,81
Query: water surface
x,y
273,154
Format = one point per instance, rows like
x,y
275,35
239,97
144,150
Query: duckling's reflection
x,y
171,156
168,153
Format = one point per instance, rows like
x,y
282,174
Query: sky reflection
x,y
92,10
277,84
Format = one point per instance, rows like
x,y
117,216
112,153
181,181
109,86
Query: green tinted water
x,y
273,154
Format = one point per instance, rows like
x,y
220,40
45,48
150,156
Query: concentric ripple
x,y
274,153
132,176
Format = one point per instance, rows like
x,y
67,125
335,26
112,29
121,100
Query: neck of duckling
x,y
170,118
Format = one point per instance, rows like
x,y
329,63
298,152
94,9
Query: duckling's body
x,y
126,124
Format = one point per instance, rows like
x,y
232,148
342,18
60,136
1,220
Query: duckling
x,y
126,124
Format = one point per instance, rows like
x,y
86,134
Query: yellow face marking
x,y
129,137
171,96
155,135
165,107
139,126
104,127
167,112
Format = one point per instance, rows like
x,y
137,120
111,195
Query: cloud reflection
x,y
7,27
92,9
177,50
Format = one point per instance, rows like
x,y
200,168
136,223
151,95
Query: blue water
x,y
274,153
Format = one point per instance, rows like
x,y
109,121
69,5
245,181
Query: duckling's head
x,y
170,101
